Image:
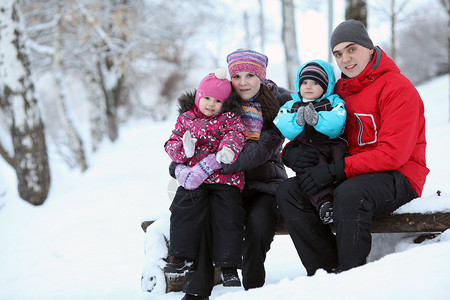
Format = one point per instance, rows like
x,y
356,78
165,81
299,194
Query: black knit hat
x,y
351,31
314,72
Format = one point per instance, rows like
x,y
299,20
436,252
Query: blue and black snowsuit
x,y
325,135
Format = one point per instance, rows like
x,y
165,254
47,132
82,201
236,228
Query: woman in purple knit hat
x,y
264,170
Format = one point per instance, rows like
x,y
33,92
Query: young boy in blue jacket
x,y
315,118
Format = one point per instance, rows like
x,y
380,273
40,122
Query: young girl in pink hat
x,y
208,132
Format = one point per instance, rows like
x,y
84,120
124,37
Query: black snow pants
x,y
357,201
261,221
220,204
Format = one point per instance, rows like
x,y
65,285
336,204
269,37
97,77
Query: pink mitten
x,y
192,178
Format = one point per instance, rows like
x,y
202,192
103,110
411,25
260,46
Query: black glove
x,y
299,158
322,176
172,167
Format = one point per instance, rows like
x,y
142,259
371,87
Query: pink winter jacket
x,y
212,134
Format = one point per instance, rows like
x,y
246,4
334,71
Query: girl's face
x,y
246,84
209,106
310,90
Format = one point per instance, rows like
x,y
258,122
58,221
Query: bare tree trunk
x,y
330,27
111,81
6,156
393,23
27,129
394,14
356,9
96,109
446,5
289,37
248,36
262,29
75,141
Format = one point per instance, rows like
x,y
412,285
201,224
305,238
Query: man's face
x,y
351,58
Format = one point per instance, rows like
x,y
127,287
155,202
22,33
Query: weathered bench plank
x,y
396,223
413,222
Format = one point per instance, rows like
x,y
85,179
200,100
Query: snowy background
x,y
86,242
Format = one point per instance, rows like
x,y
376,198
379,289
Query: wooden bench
x,y
429,224
394,223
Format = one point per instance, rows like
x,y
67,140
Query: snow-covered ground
x,y
85,242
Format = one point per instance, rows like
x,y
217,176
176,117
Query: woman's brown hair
x,y
269,105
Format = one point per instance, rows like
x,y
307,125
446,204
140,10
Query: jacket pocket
x,y
367,129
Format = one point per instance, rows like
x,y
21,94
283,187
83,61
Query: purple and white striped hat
x,y
245,60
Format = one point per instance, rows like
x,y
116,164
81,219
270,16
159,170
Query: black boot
x,y
179,265
192,297
335,270
230,277
326,212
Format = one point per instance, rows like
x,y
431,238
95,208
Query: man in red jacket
x,y
386,165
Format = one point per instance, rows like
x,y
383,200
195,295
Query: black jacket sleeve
x,y
256,153
172,167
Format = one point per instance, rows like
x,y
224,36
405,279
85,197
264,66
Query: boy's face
x,y
246,84
310,90
351,58
209,106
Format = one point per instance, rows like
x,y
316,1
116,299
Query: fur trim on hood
x,y
187,101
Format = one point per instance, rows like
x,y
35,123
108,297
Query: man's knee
x,y
287,186
289,195
349,199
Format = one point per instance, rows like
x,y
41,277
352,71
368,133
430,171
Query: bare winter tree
x,y
105,28
64,97
356,9
330,27
248,35
261,24
19,100
395,13
446,6
51,42
422,50
289,37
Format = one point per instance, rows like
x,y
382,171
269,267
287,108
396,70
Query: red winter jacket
x,y
385,122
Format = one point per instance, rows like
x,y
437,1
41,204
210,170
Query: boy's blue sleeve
x,y
332,123
285,121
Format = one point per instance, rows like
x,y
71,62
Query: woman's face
x,y
246,84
